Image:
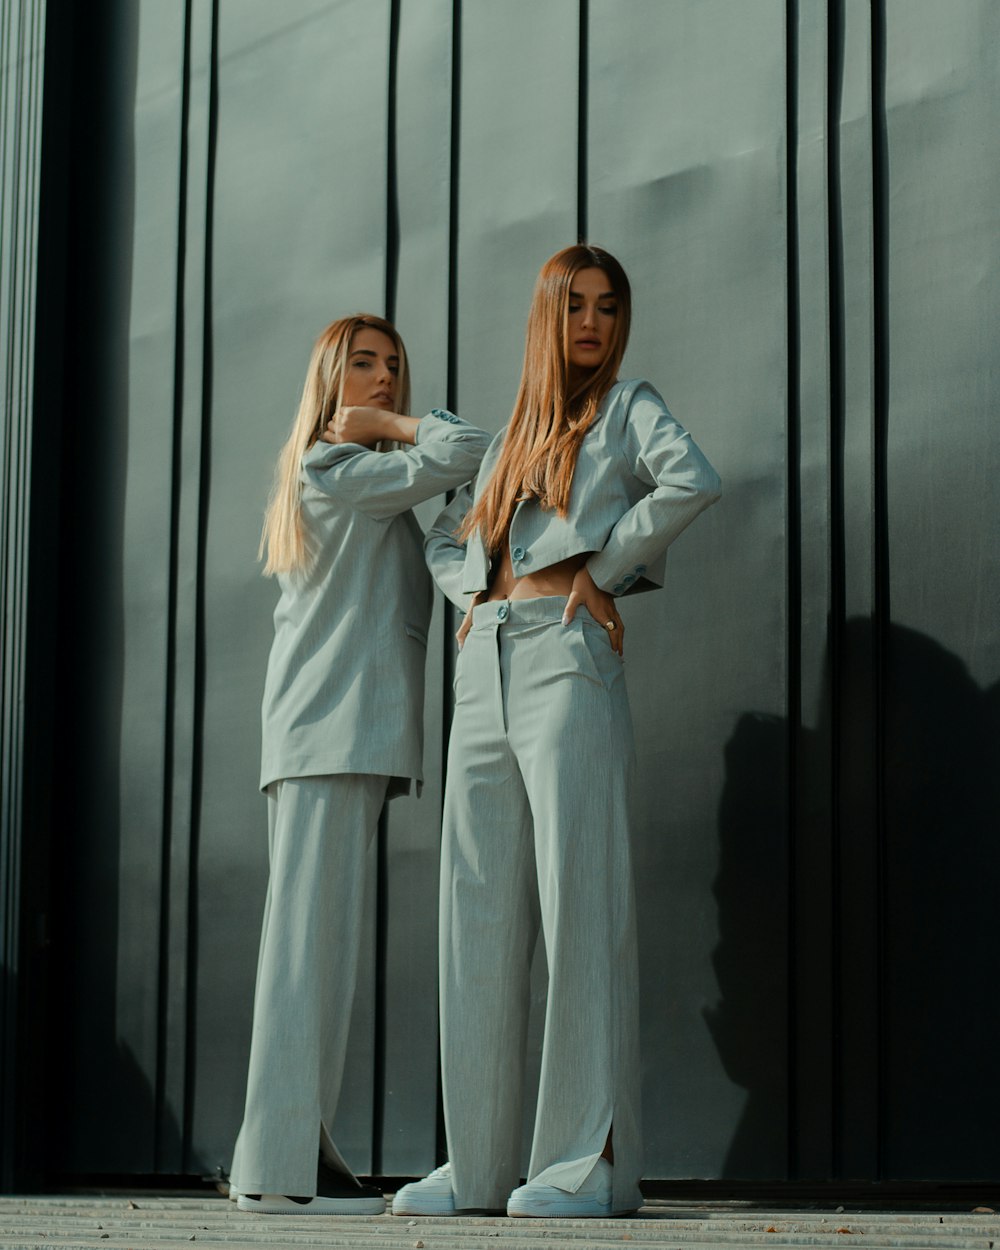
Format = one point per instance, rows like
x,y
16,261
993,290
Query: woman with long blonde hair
x,y
342,722
576,503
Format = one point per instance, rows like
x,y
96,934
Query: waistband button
x,y
503,611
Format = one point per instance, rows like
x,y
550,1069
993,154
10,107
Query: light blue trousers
x,y
320,830
536,827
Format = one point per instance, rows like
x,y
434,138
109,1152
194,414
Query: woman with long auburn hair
x,y
342,721
575,505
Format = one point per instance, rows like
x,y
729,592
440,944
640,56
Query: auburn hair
x,y
282,539
549,420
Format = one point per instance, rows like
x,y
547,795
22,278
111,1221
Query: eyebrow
x,y
366,351
603,295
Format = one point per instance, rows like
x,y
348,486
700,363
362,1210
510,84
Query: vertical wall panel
x,y
686,186
299,236
519,100
189,470
103,1040
942,102
811,1071
22,46
147,541
857,868
423,104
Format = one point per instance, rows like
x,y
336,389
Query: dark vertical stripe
x,y
204,495
10,657
793,555
582,141
391,188
453,205
448,661
382,855
170,709
391,273
880,320
835,74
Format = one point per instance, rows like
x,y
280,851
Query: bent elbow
x,y
711,488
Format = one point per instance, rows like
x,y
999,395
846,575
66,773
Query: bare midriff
x,y
557,579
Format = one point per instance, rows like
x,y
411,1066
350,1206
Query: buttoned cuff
x,y
437,422
610,578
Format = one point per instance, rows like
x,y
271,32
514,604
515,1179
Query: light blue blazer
x,y
344,691
640,480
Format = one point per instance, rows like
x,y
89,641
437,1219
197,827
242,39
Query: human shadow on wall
x,y
938,1015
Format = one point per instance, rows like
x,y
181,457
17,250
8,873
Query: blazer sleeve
x,y
446,453
445,553
663,456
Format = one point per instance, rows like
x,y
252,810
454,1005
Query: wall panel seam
x,y
835,76
882,606
204,496
793,555
170,676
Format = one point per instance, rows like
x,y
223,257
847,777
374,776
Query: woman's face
x,y
592,314
372,377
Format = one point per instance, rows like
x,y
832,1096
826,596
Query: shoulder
x,y
634,401
630,392
493,451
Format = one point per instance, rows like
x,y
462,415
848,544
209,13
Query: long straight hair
x,y
549,420
282,539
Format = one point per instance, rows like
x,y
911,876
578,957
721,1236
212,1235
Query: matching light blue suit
x,y
536,815
342,728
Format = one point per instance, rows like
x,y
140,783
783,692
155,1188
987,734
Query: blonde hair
x,y
282,538
549,421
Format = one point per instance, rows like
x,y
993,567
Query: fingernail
x,y
565,620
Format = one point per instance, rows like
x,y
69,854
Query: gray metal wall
x,y
804,195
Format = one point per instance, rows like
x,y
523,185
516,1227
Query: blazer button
x,y
503,611
618,589
640,569
628,579
518,553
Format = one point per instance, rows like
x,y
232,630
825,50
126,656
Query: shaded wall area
x,y
805,197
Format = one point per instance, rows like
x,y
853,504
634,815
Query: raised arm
x,y
662,454
446,452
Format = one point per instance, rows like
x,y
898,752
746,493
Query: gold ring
x,y
610,626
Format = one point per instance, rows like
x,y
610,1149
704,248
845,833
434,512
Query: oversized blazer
x,y
640,479
344,691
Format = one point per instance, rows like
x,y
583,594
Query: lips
x,y
382,397
588,343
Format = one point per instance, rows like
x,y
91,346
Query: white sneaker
x,y
234,1193
341,1195
431,1196
593,1198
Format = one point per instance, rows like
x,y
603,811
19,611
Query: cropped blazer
x,y
640,479
344,691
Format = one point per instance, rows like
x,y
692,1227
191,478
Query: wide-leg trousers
x,y
320,830
536,827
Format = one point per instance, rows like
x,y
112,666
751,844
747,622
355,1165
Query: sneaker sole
x,y
331,1206
424,1206
559,1210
